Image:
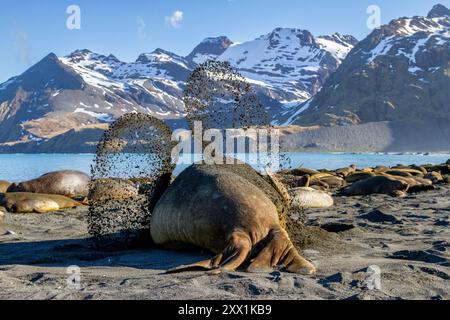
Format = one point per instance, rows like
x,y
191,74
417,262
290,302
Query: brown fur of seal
x,y
333,182
422,170
216,209
321,175
443,168
380,169
399,173
304,171
358,176
319,183
376,185
406,172
112,189
343,172
292,181
435,177
21,202
4,185
65,183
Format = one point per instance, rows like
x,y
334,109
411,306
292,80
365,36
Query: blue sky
x,y
31,29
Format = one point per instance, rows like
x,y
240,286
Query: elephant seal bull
x,y
21,202
214,208
65,183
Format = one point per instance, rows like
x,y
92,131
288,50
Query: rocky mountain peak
x,y
345,40
158,56
439,10
209,48
280,35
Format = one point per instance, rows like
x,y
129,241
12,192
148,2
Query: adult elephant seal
x,y
214,208
21,202
377,185
65,183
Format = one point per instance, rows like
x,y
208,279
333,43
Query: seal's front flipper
x,y
279,251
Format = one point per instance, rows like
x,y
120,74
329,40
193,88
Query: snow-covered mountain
x,y
86,90
400,72
290,63
210,48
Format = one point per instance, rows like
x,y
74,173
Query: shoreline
x,y
20,167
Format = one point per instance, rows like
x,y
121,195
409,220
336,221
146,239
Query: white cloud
x,y
175,19
141,28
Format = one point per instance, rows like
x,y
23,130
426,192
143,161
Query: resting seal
x,y
376,185
65,183
435,177
35,203
112,189
358,176
214,208
4,185
304,198
343,172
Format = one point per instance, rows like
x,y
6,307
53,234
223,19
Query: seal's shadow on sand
x,y
83,253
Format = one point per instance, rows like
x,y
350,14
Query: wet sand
x,y
408,239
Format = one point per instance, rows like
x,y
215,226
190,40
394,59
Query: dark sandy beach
x,y
408,239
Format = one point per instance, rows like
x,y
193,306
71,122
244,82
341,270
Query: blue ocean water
x,y
21,167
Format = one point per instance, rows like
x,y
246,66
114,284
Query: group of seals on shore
x,y
396,181
51,192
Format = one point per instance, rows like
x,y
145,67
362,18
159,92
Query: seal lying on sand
x,y
112,189
358,176
35,203
214,208
66,183
303,198
376,185
4,185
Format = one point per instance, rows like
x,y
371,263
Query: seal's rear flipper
x,y
231,259
280,252
206,265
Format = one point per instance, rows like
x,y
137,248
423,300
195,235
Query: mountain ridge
x,y
399,72
84,88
